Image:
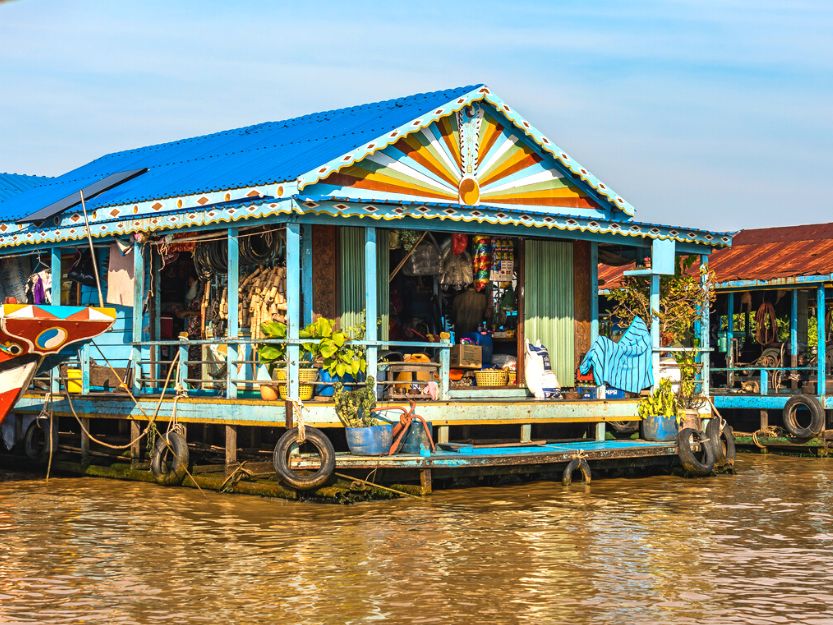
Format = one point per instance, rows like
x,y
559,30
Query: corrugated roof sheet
x,y
15,184
244,157
776,253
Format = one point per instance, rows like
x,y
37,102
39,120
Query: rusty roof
x,y
760,254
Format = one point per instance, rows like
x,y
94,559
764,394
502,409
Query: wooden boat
x,y
37,338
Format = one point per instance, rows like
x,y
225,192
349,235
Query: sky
x,y
701,113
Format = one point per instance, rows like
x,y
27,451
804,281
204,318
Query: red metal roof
x,y
761,254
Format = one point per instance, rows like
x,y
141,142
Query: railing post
x,y
764,382
182,365
138,313
654,303
821,370
293,305
306,271
370,303
233,299
704,327
55,295
85,369
445,368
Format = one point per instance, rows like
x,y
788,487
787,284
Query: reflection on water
x,y
751,548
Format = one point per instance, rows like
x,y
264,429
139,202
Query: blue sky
x,y
711,114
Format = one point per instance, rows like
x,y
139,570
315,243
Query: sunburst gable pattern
x,y
471,157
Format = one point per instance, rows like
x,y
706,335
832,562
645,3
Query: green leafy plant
x,y
334,348
355,408
272,354
661,403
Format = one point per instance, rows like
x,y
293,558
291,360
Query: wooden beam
x,y
136,445
231,445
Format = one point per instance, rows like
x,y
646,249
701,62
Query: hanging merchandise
x,y
425,260
457,271
13,272
261,247
409,238
211,258
37,288
503,260
262,298
482,261
393,240
82,270
459,243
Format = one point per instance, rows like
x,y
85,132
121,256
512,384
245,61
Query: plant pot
x,y
374,440
306,375
327,390
691,420
659,428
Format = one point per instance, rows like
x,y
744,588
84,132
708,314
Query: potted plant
x,y
659,413
689,401
273,355
340,360
366,432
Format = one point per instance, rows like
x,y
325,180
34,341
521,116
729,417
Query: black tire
x,y
700,464
36,440
791,417
169,459
304,480
575,464
723,443
623,429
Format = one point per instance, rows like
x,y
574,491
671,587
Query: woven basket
x,y
491,377
304,393
306,375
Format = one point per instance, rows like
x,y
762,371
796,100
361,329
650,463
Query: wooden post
x,y
594,291
601,431
231,445
442,434
138,313
55,268
233,299
764,419
704,333
425,482
306,272
370,300
136,445
526,432
730,336
293,305
821,387
445,368
85,442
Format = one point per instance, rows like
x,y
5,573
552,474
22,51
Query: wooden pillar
x,y
654,303
730,336
526,432
821,371
85,441
231,445
136,445
704,331
442,434
594,291
601,431
138,313
293,304
425,482
158,370
306,272
233,299
370,300
55,268
794,338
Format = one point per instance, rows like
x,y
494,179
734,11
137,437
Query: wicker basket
x,y
306,376
491,377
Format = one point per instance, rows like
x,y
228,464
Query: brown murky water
x,y
753,548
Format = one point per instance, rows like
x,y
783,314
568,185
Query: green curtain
x,y
351,278
548,302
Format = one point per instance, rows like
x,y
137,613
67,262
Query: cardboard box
x,y
466,356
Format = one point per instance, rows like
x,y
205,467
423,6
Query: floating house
x,y
349,214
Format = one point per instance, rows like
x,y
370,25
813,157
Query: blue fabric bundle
x,y
625,365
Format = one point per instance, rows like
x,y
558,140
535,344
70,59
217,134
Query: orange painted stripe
x,y
452,139
387,185
422,155
514,164
487,138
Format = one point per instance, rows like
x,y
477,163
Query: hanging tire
x,y
698,464
723,443
576,464
304,480
169,458
623,429
36,440
816,411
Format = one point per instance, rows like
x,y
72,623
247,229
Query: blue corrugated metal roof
x,y
15,184
254,155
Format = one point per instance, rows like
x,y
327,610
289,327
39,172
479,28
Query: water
x,y
753,548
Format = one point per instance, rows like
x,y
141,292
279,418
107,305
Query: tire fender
x,y
817,418
169,458
576,464
36,440
304,480
692,464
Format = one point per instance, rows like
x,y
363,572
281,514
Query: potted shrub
x,y
273,355
366,432
659,413
340,360
689,401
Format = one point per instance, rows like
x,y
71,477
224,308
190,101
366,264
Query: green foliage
x,y
681,296
688,398
662,403
272,354
355,408
333,348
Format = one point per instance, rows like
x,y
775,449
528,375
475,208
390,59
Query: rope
x,y
579,455
770,432
298,417
766,326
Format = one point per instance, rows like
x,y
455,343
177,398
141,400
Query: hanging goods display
x,y
482,261
425,260
503,261
459,243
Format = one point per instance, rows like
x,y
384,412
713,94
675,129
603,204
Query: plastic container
x,y
659,428
74,381
374,440
328,390
416,440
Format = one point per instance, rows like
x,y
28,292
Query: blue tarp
x,y
625,365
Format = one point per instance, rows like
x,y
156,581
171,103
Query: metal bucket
x,y
370,441
659,428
